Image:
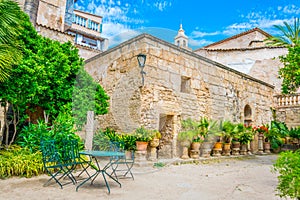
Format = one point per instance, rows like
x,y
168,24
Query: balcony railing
x,y
287,100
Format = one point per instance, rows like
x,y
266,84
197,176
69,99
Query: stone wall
x,y
287,109
212,89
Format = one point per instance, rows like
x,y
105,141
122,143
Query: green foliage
x,y
290,35
290,73
295,132
102,139
10,28
288,167
142,134
61,129
51,76
17,161
189,131
87,95
280,127
246,135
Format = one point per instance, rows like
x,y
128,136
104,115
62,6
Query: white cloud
x,y
199,34
264,19
198,43
291,9
162,5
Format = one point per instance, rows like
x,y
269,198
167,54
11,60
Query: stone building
x,y
59,21
247,52
175,84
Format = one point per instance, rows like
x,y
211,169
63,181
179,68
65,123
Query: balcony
x,y
281,101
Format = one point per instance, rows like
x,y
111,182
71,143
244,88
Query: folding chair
x,y
71,155
53,163
118,161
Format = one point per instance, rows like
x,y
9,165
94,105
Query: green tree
x,y
48,77
290,73
10,53
290,35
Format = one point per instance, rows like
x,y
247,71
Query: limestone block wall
x,y
213,90
51,13
290,115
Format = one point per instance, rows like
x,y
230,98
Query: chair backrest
x,y
70,151
50,153
116,146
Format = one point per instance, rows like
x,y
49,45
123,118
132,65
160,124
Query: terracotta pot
x,y
141,146
154,143
206,148
267,147
236,144
218,145
226,149
195,146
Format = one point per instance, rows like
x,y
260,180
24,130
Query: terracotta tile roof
x,y
238,35
241,49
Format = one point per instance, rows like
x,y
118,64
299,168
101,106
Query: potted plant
x,y
189,131
245,137
185,138
264,131
295,134
228,132
154,144
143,136
209,131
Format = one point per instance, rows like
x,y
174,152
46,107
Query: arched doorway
x,y
247,115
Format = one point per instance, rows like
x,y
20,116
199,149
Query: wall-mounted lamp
x,y
142,60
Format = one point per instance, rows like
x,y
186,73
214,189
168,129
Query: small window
x,y
184,43
185,84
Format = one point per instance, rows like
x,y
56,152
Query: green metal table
x,y
96,155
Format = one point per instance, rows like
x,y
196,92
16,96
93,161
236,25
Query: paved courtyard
x,y
234,178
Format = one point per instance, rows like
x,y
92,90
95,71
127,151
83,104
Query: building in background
x,y
59,21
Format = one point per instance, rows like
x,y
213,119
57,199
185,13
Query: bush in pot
x,y
143,136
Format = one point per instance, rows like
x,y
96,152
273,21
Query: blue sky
x,y
204,22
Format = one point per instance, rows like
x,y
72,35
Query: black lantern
x,y
142,59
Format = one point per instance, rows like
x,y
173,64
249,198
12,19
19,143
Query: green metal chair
x,y
54,165
71,156
121,165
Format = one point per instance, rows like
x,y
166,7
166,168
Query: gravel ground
x,y
225,179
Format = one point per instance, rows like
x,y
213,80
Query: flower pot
x,y
195,146
185,151
267,147
236,148
141,146
226,149
218,145
243,149
217,149
153,151
206,149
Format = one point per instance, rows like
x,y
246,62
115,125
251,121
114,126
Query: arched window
x,y
178,43
247,115
184,43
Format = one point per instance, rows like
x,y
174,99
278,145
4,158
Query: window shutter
x,y
100,30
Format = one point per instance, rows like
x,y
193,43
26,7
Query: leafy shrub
x,y
17,161
288,166
295,133
61,129
102,139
